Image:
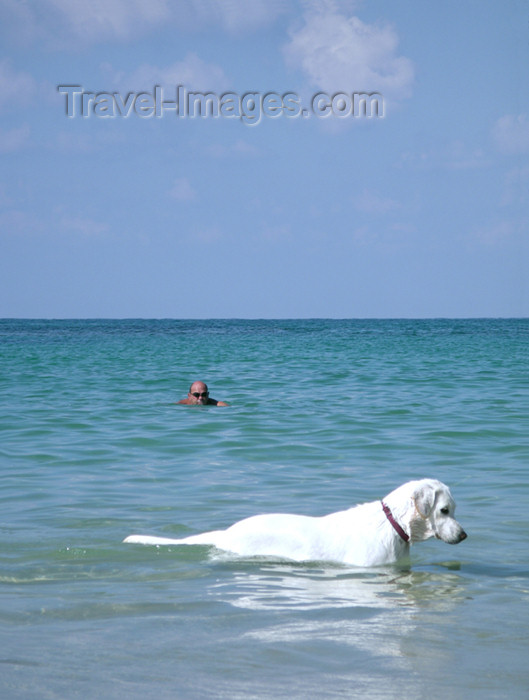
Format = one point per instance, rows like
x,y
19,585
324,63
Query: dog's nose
x,y
463,536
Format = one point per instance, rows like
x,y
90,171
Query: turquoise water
x,y
323,415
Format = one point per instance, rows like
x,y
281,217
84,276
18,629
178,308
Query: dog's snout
x,y
462,536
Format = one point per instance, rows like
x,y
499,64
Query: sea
x,y
323,414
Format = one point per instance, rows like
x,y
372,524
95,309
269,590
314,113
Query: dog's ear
x,y
424,499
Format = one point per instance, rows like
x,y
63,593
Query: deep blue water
x,y
324,414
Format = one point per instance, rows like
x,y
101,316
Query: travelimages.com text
x,y
249,107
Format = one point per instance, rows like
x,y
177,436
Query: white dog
x,y
366,535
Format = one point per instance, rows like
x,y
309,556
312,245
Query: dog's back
x,y
370,534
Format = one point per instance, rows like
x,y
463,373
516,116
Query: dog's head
x,y
430,511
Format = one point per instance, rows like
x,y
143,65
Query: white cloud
x,y
100,19
16,87
20,222
208,235
498,233
276,232
454,155
73,22
340,53
83,226
371,202
240,148
77,141
511,134
236,16
460,157
182,190
192,72
516,186
5,199
14,139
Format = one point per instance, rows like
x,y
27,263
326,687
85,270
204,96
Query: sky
x,y
264,159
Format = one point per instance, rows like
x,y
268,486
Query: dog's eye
x,y
445,510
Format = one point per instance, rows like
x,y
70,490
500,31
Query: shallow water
x,y
323,415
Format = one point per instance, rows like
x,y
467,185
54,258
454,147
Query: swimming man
x,y
199,396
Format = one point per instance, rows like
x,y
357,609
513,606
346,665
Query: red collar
x,y
396,526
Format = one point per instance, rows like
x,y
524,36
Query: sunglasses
x,y
198,395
